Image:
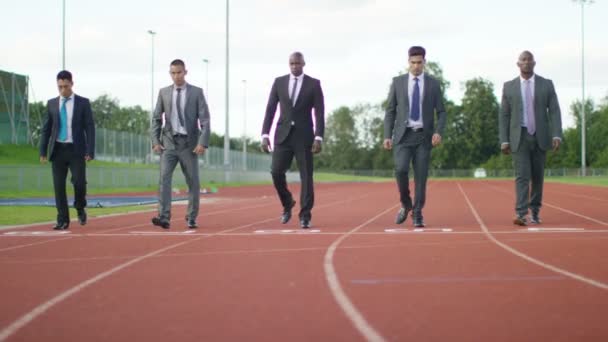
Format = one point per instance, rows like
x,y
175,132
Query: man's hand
x,y
505,148
266,145
87,157
43,160
158,148
199,150
556,144
387,144
436,140
316,146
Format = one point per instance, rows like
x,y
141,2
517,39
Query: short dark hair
x,y
64,75
416,51
178,62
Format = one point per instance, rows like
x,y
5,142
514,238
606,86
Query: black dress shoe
x,y
402,215
82,216
61,226
520,220
305,223
157,221
286,216
535,219
418,222
192,224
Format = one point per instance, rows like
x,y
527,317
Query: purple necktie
x,y
530,120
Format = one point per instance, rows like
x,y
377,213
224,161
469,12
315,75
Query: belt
x,y
415,130
59,143
179,135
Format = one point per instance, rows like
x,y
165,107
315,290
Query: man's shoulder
x,y
193,87
81,98
311,78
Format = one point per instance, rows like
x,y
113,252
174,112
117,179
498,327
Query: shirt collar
x,y
71,97
522,80
420,77
182,87
292,76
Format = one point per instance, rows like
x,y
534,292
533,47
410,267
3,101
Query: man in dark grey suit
x,y
183,137
530,124
69,135
409,130
295,134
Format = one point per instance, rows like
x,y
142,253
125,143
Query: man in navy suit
x,y
68,141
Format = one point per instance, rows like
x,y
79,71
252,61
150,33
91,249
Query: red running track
x,y
470,275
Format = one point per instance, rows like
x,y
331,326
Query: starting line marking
x,y
287,231
534,229
418,230
161,233
38,233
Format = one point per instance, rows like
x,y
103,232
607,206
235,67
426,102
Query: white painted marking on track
x,y
286,231
525,256
351,312
38,233
538,229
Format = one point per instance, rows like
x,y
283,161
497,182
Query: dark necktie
x,y
415,105
178,102
293,91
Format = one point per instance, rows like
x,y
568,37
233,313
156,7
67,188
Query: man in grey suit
x,y
183,137
530,124
413,102
295,134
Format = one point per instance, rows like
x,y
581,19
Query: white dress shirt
x,y
69,106
410,90
177,128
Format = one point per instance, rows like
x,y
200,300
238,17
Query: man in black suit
x,y
68,135
295,134
410,131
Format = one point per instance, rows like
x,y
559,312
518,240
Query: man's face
x,y
296,65
416,64
178,74
526,63
65,87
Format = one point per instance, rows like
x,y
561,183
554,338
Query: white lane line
x,y
356,318
525,256
40,309
548,229
558,208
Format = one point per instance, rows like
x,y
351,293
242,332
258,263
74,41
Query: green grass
x,y
593,181
30,214
335,177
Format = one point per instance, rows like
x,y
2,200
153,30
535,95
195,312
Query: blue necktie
x,y
415,105
63,120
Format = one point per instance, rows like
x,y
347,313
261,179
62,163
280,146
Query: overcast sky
x,y
354,47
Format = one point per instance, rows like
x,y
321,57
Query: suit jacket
x,y
195,110
398,109
83,128
310,96
546,113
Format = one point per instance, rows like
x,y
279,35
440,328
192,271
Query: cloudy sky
x,y
354,46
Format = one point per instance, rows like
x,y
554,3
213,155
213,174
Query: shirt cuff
x,y
265,136
319,138
504,143
558,138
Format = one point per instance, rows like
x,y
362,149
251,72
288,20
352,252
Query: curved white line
x,y
526,257
340,296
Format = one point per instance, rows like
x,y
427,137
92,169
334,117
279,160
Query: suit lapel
x,y
188,98
426,93
284,88
75,110
405,92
